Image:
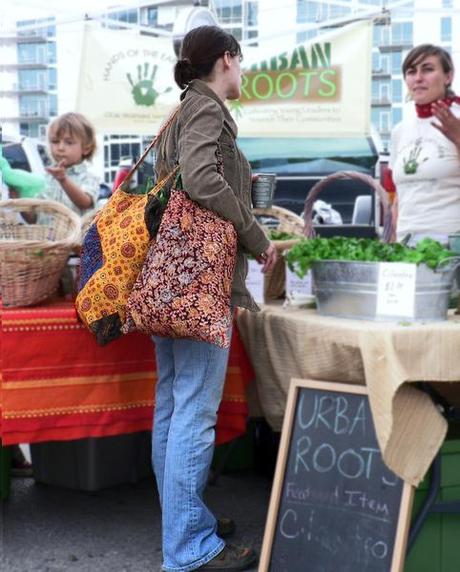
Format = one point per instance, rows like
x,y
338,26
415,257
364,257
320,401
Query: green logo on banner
x,y
143,91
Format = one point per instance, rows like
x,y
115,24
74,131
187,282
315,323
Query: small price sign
x,y
396,289
298,286
255,281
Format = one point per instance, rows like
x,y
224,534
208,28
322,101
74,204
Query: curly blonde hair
x,y
79,127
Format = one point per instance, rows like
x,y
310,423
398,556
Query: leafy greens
x,y
301,256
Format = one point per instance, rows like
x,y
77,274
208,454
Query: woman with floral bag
x,y
215,175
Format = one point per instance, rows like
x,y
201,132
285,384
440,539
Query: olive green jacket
x,y
202,125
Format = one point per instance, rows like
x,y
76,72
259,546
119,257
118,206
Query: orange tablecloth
x,y
58,384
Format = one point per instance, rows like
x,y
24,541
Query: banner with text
x,y
319,88
126,81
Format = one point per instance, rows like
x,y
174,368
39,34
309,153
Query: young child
x,y
72,143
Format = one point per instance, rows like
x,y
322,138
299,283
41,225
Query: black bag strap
x,y
158,186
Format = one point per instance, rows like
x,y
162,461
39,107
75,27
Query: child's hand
x,y
59,172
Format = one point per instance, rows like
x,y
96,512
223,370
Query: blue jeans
x,y
188,392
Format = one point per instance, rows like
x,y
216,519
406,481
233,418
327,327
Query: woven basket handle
x,y
348,176
150,145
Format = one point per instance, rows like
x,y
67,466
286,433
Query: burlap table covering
x,y
286,343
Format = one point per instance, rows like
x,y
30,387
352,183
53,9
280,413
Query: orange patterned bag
x,y
184,289
113,252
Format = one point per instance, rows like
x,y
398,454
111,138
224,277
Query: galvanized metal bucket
x,y
346,289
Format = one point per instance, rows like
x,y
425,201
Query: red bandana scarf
x,y
424,109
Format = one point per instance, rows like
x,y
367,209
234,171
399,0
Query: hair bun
x,y
184,72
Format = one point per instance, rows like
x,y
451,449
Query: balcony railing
x,y
381,73
396,46
25,65
380,101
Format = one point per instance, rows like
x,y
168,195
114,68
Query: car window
x,y
16,157
42,151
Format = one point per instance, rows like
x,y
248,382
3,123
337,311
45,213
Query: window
x,y
236,32
384,92
385,63
229,11
314,12
381,91
396,86
33,105
446,29
447,3
32,54
376,62
52,104
252,13
135,149
336,11
114,154
32,129
381,36
402,33
52,78
51,53
384,125
32,80
152,16
375,91
306,36
396,113
249,34
45,27
129,16
380,63
396,62
375,117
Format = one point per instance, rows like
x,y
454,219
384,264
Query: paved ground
x,y
49,529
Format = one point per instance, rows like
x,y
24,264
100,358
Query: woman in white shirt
x,y
425,149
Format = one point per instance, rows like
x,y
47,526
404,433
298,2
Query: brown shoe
x,y
231,559
225,527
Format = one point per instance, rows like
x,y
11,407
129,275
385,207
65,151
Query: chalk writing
x,y
339,502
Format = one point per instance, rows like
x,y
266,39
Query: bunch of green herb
x,y
301,256
280,235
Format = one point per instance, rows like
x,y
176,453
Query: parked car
x,y
27,154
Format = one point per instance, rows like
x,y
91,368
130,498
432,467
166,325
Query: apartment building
x,y
28,77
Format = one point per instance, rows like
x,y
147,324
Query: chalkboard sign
x,y
335,506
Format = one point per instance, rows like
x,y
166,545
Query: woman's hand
x,y
268,258
449,125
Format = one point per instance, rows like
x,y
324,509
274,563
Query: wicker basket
x,y
275,280
33,256
388,228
